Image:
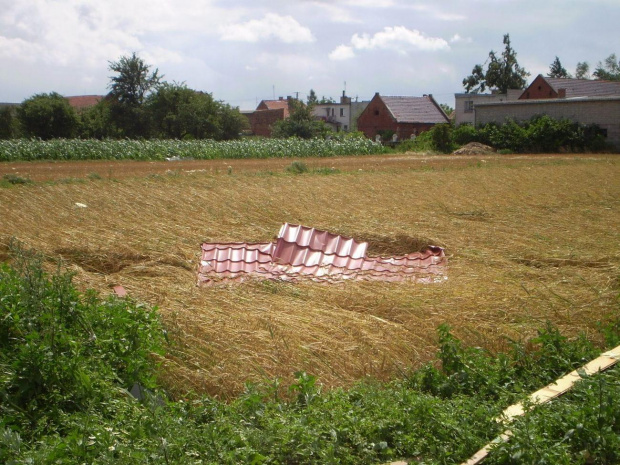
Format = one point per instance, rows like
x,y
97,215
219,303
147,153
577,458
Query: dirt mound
x,y
473,148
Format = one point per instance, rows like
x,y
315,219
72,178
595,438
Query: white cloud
x,y
398,38
438,13
334,13
89,33
371,3
342,52
272,26
456,38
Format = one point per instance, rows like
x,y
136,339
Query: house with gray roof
x,y
401,116
543,87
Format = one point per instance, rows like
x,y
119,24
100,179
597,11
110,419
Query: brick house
x,y
550,88
266,114
403,116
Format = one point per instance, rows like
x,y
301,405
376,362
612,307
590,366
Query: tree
x,y
300,123
98,123
8,123
312,98
178,112
608,70
48,116
583,70
133,81
128,91
502,73
556,70
447,109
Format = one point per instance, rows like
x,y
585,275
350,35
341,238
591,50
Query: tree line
x,y
139,105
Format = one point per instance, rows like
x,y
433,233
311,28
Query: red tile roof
x,y
80,102
307,253
274,105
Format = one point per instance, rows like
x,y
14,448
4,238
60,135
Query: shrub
x,y
47,116
62,353
441,135
540,134
297,167
464,134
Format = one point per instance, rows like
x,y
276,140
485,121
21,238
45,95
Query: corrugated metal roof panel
x,y
307,253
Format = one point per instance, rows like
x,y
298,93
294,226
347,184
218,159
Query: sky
x,y
246,51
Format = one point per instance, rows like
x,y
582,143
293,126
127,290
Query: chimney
x,y
561,93
280,98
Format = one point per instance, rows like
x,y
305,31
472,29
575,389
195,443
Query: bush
x,y
464,134
541,134
47,116
61,352
441,135
297,167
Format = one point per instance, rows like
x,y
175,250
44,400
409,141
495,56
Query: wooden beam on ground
x,y
553,390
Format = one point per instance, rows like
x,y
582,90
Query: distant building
x,y
402,116
340,116
81,102
465,103
266,114
550,88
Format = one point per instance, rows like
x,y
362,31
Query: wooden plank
x,y
551,391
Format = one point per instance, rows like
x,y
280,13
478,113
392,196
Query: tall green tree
x,y
608,70
47,116
312,98
133,79
129,88
583,70
556,70
503,72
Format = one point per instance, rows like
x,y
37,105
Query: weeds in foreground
x,y
67,361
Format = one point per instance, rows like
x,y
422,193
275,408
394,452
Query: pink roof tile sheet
x,y
303,253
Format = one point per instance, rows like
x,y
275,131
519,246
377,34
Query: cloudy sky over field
x,y
247,50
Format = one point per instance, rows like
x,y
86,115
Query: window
x,y
342,112
376,112
346,128
469,106
333,111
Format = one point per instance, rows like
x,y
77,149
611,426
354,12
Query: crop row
x,y
91,149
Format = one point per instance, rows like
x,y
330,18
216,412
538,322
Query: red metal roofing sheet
x,y
307,253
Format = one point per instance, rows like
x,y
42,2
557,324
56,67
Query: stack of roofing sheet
x,y
307,253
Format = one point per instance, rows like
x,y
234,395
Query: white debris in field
x,y
80,205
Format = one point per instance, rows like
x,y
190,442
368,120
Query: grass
x,y
529,239
68,360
